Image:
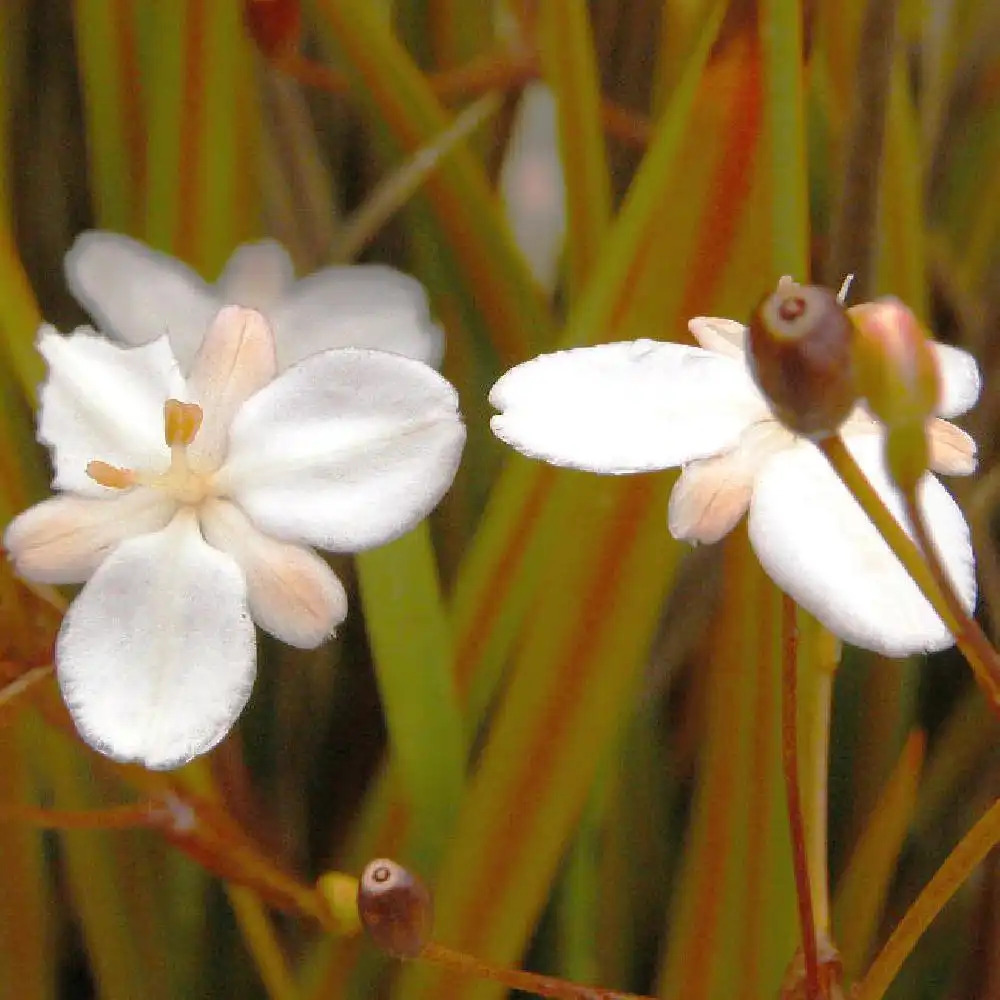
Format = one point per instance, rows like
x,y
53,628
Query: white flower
x,y
639,406
532,185
188,504
136,295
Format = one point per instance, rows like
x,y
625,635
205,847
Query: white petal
x,y
953,452
625,407
257,275
104,402
236,360
65,538
293,594
723,336
960,380
346,450
532,184
709,498
155,658
366,305
137,294
818,545
712,494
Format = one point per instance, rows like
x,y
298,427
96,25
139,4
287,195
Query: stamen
x,y
110,475
181,422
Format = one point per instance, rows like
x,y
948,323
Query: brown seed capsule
x,y
275,25
799,351
395,907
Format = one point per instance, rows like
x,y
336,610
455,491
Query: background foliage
x,y
564,720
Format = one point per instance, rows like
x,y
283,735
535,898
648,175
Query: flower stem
x,y
982,657
958,866
790,765
923,566
517,979
22,682
499,71
818,655
262,943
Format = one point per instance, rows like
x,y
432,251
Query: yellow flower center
x,y
186,485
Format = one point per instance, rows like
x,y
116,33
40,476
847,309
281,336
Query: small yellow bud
x,y
340,893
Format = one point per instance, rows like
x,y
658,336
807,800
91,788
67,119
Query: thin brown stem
x,y
491,71
23,682
517,979
625,125
790,765
936,587
985,662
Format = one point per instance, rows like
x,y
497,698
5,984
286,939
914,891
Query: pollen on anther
x,y
110,475
181,421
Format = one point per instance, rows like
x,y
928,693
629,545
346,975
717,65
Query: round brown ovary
x,y
395,907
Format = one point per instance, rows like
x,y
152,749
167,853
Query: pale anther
x,y
181,422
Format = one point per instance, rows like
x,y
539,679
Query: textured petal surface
x,y
368,306
818,545
137,294
713,494
960,380
293,594
723,336
625,407
103,402
236,360
155,658
257,275
709,498
64,539
346,450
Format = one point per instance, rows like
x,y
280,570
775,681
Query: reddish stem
x,y
969,636
517,979
491,71
790,762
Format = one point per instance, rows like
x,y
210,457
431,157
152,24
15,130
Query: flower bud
x,y
274,25
897,369
897,374
395,907
800,354
907,454
339,894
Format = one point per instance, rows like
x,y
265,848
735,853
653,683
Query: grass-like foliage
x,y
611,757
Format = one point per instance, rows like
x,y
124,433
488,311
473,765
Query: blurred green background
x,y
564,720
